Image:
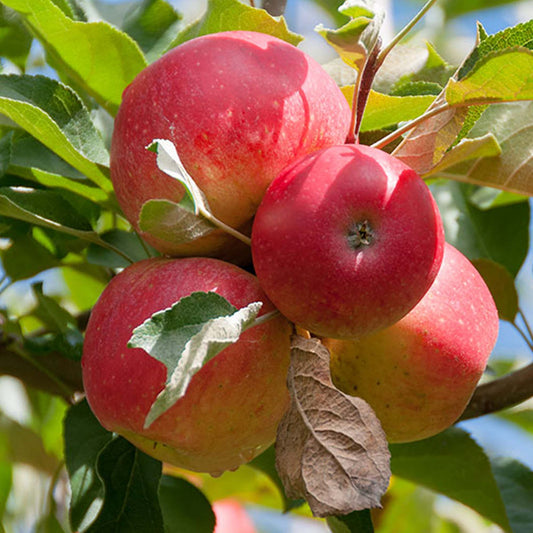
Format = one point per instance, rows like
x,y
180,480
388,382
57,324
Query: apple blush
x,y
346,241
231,409
239,106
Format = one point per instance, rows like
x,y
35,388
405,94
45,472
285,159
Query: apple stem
x,y
410,125
403,32
228,229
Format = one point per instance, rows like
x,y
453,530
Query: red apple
x,y
232,406
419,374
346,241
239,106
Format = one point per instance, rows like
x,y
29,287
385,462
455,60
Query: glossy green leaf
x,y
131,481
453,464
499,234
185,508
502,287
504,76
225,15
186,336
103,61
85,439
55,115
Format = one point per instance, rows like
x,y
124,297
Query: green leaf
x,y
131,480
226,15
512,125
456,8
103,61
185,508
500,234
383,111
515,482
357,38
504,76
355,522
32,160
85,439
54,114
502,287
127,242
15,40
154,24
25,257
452,464
44,208
467,149
519,35
172,222
186,336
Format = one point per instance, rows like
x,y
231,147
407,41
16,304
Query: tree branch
x,y
501,393
275,7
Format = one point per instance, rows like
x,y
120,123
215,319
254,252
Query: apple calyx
x,y
360,234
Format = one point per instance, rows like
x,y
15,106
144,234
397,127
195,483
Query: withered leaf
x,y
330,448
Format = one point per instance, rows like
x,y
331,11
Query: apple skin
x,y
303,249
233,405
239,106
419,374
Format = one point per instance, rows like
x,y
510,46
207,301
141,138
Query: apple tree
x,y
187,337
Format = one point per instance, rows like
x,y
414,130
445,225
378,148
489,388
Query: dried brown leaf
x,y
330,448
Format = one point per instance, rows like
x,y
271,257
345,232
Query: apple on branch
x,y
419,374
239,106
228,412
347,240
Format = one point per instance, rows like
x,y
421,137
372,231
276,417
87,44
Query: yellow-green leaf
x,y
504,76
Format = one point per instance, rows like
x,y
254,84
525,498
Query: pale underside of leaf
x,y
170,163
511,170
185,337
426,144
330,448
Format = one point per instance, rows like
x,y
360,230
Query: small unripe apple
x,y
419,374
239,106
346,241
233,404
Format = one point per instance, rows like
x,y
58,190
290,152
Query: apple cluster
x,y
346,242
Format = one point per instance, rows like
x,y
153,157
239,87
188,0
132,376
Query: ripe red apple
x,y
419,374
346,241
239,106
232,406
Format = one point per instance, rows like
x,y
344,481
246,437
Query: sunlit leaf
x,y
103,61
